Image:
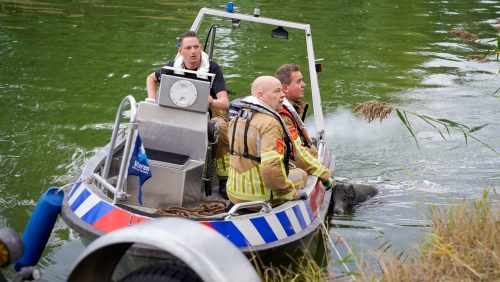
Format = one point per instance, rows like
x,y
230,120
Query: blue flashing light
x,y
229,7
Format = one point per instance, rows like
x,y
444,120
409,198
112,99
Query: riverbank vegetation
x,y
463,244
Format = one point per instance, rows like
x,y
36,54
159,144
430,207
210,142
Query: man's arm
x,y
272,169
151,86
304,159
219,87
221,103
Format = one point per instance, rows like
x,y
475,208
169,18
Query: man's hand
x,y
302,195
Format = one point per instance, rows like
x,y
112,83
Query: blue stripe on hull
x,y
309,210
231,232
264,229
300,218
81,198
73,190
98,211
285,222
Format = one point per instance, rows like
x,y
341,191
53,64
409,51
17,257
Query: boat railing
x,y
316,97
265,207
102,179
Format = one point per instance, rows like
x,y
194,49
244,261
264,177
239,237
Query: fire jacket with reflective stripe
x,y
305,157
250,180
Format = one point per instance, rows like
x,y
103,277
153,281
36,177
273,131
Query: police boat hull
x,y
89,211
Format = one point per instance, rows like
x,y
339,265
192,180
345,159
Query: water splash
x,y
343,126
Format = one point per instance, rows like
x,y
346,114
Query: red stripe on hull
x,y
207,224
316,197
117,219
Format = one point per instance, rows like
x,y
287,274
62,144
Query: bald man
x,y
260,149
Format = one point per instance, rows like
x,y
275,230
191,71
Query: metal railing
x,y
118,191
316,97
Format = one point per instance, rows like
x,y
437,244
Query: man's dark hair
x,y
284,73
187,34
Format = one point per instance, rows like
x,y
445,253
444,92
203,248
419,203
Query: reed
x,y
304,269
307,268
467,37
293,267
374,109
463,245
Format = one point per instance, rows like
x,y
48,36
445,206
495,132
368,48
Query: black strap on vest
x,y
289,148
286,138
245,154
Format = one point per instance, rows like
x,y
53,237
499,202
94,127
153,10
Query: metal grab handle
x,y
266,207
129,99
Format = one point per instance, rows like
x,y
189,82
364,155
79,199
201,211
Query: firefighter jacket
x,y
305,157
258,169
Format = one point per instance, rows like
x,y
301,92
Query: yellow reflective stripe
x,y
244,186
319,171
222,165
259,181
288,196
231,181
240,184
310,159
246,197
254,180
247,186
270,155
227,158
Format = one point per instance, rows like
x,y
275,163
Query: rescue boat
x,y
177,137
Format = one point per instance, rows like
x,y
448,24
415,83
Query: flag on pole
x,y
139,165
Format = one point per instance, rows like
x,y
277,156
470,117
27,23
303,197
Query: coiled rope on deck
x,y
204,209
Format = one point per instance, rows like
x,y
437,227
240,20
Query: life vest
x,y
245,108
304,158
287,111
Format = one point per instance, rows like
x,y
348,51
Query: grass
x,y
462,245
308,270
297,266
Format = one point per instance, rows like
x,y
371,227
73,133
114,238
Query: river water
x,y
65,66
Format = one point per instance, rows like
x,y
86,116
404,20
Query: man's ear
x,y
284,88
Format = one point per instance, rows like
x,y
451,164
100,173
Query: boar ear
x,y
352,192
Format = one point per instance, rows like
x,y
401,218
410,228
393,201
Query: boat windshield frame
x,y
316,97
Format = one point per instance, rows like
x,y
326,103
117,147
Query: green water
x,y
66,65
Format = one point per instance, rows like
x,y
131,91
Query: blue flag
x,y
139,165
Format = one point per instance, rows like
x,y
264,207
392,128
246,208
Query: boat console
x,y
175,135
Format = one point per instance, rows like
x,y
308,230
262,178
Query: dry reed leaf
x,y
466,36
372,110
478,58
